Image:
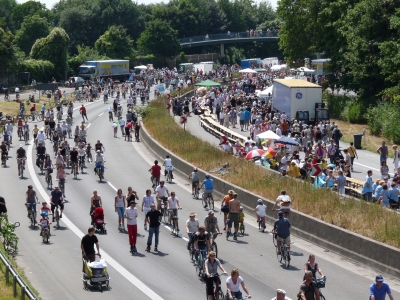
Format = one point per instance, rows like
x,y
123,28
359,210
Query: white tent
x,y
268,135
248,70
265,92
141,67
278,67
305,70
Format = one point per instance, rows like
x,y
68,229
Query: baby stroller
x,y
95,274
98,219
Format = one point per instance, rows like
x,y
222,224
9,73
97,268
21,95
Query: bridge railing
x,y
227,36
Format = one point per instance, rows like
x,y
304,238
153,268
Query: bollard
x,y
365,136
15,285
7,274
22,292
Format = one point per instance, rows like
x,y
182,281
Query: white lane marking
x,y
87,127
113,187
368,167
101,114
118,267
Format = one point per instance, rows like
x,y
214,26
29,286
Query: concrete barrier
x,y
354,246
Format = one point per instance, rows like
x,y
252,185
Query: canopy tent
x,y
141,67
305,70
268,135
248,70
278,67
265,92
207,83
287,141
260,70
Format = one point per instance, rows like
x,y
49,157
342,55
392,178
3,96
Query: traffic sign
x,y
183,120
168,106
169,96
179,88
223,139
316,170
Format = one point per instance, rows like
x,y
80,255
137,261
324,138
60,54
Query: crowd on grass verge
x,y
237,104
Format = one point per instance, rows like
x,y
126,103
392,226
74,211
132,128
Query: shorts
x,y
233,218
10,133
241,122
341,190
74,161
53,206
146,210
34,136
127,130
120,211
287,240
206,192
194,183
31,206
173,212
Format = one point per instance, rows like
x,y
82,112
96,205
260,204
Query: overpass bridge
x,y
228,38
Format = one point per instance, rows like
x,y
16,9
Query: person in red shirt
x,y
128,128
83,113
155,172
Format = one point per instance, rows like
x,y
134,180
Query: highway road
x,y
55,268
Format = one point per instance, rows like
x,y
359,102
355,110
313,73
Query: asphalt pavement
x,y
55,268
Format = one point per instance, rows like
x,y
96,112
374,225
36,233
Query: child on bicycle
x,y
261,210
44,222
241,217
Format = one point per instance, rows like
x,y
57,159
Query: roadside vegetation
x,y
370,220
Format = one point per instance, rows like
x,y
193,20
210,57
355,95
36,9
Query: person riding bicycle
x,y
172,206
192,226
44,222
99,161
81,152
4,150
82,111
155,171
56,139
40,153
168,166
99,146
233,284
57,199
31,200
211,268
6,139
35,132
284,201
48,165
280,295
282,230
161,190
208,185
52,126
64,128
312,266
74,158
20,124
211,224
21,154
261,210
201,241
195,179
308,289
41,137
44,208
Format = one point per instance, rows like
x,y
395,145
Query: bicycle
x,y
154,181
110,116
31,216
217,291
284,253
19,132
321,284
200,269
98,171
164,208
49,180
261,224
213,244
168,176
191,249
40,163
81,163
45,233
274,236
61,185
21,167
196,191
74,171
209,201
175,226
4,158
26,136
55,146
241,228
57,215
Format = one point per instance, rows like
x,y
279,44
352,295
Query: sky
x,y
50,3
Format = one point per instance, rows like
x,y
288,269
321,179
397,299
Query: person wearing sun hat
x,y
379,289
281,295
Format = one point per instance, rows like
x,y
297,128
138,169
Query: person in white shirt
x,y
161,190
131,215
280,295
172,206
41,137
278,130
233,284
168,166
148,199
261,210
192,226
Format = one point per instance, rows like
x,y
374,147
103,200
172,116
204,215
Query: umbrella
x,y
268,135
254,153
279,145
287,141
141,67
207,83
260,70
278,67
248,70
332,165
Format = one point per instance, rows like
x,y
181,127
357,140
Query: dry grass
x,y
372,221
372,142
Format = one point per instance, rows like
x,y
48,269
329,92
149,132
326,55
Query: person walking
x,y
379,289
383,152
353,154
131,215
153,218
234,210
87,246
119,206
148,199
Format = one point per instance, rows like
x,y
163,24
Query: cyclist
x,y
20,124
312,266
6,139
81,152
31,200
74,158
99,161
192,226
137,127
208,185
99,146
56,139
4,150
57,199
70,110
35,132
59,160
44,222
284,201
110,113
201,241
44,208
40,153
161,190
64,128
41,137
21,154
211,267
82,111
211,224
282,230
155,171
62,177
48,166
241,217
172,206
309,289
233,284
88,151
168,166
52,126
76,133
280,295
195,179
261,211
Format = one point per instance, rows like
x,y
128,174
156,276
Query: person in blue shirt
x,y
375,185
242,117
379,289
282,230
394,194
208,185
341,182
246,119
385,194
378,191
367,187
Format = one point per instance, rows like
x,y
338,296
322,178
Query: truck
x,y
205,66
248,63
115,69
299,99
270,61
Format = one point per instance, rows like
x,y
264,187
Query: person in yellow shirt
x,y
294,170
324,165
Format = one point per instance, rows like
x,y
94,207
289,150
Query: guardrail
x,y
226,36
16,279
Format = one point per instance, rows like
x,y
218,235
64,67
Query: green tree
x,y
85,53
33,28
30,8
115,43
53,48
160,39
6,49
6,8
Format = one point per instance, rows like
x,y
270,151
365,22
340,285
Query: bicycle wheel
x,y
211,202
285,257
278,256
165,215
322,297
274,239
198,269
32,219
10,244
214,248
220,295
57,217
168,177
242,229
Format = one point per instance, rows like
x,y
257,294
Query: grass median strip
x,y
370,220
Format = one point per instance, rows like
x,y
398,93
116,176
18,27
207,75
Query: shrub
x,y
41,70
356,113
337,104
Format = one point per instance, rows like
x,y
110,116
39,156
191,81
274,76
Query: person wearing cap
x,y
99,161
131,215
208,185
281,295
211,224
282,230
192,226
309,289
153,218
379,289
195,179
31,200
21,155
